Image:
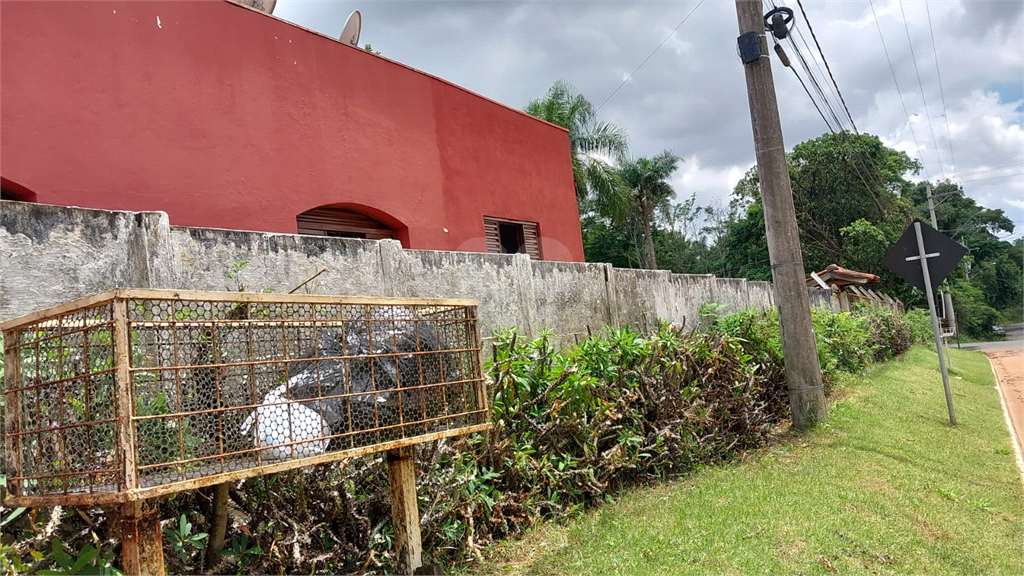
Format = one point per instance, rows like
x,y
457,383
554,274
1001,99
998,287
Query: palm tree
x,y
647,179
595,178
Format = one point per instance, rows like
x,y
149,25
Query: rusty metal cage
x,y
132,394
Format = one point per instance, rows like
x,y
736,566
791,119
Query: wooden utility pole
x,y
803,375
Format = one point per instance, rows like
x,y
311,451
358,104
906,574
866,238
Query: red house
x,y
226,117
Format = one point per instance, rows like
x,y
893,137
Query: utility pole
x,y
803,375
931,205
947,301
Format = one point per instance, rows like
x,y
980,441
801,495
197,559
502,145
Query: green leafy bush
x,y
87,561
919,321
185,542
889,334
846,341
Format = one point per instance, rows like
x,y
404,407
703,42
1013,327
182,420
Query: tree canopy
x,y
853,196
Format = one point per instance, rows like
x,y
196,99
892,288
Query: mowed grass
x,y
887,486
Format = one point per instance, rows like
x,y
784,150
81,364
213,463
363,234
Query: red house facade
x,y
226,117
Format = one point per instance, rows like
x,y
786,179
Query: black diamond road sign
x,y
949,255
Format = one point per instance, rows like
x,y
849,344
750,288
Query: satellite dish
x,y
350,34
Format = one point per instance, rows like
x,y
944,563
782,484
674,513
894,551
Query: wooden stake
x,y
405,514
142,551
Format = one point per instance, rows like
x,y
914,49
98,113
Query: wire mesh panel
x,y
219,386
60,413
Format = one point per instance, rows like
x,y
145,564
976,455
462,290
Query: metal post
x,y
935,224
935,321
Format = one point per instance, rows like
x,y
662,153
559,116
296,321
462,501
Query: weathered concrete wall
x,y
51,254
572,297
732,294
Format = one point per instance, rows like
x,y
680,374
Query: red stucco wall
x,y
225,117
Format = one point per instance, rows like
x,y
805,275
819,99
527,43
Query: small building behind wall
x,y
226,117
849,287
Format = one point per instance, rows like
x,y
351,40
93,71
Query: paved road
x,y
1014,341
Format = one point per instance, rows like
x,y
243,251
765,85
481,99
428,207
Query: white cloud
x,y
690,97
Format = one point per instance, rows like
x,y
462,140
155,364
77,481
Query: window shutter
x,y
328,220
532,240
493,235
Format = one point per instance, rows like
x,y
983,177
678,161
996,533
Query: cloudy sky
x,y
690,96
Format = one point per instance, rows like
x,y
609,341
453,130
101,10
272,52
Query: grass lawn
x,y
886,487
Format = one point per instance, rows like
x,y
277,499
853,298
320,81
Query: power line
x,y
897,82
985,170
658,47
993,177
873,169
920,84
945,111
813,101
825,61
800,34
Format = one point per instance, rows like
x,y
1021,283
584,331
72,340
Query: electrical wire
x,y
852,159
810,28
658,47
897,82
993,177
942,94
920,84
984,170
865,158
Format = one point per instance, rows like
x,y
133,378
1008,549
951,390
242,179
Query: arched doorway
x,y
342,223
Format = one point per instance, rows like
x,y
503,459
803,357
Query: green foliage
x,y
185,542
974,316
887,486
846,341
853,201
919,321
240,549
10,561
889,333
565,107
14,514
649,193
88,562
618,409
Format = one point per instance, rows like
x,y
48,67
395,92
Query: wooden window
x,y
512,237
340,222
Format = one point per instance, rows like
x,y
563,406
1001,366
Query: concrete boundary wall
x,y
52,254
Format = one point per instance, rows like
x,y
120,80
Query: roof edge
x,y
395,62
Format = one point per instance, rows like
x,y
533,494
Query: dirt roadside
x,y
1009,368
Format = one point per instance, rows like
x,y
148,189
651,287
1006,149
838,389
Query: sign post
x,y
921,243
923,257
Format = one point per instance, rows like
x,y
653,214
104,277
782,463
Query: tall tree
x,y
853,200
589,139
650,191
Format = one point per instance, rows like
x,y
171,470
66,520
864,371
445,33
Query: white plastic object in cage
x,y
284,424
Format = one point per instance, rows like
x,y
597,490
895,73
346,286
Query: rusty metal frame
x,y
36,336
